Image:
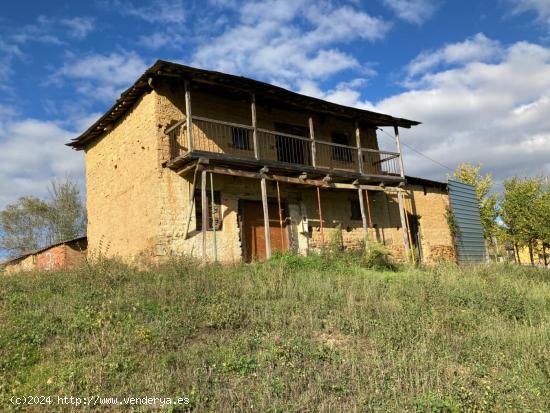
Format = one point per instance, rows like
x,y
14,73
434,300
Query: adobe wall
x,y
23,264
122,174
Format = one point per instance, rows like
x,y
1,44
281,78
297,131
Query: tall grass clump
x,y
291,334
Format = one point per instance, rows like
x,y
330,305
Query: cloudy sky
x,y
476,73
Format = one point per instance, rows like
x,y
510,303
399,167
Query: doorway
x,y
253,230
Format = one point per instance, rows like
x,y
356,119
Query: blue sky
x,y
477,74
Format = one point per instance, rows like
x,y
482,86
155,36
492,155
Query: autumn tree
x,y
32,223
525,211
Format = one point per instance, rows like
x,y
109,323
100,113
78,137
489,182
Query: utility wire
x,y
418,152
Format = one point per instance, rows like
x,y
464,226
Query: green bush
x,y
378,257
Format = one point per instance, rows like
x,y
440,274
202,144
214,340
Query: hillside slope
x,y
294,334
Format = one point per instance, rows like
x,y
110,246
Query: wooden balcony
x,y
241,145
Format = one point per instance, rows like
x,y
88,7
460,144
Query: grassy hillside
x,y
294,334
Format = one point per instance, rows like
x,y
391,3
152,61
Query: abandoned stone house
x,y
190,161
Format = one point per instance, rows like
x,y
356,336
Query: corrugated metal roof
x,y
470,243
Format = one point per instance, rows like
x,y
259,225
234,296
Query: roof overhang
x,y
168,69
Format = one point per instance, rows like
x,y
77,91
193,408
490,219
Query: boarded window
x,y
217,210
339,153
240,138
355,209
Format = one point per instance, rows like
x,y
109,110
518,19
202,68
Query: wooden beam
x,y
398,143
368,207
212,208
320,216
266,219
254,126
188,116
280,216
204,205
312,137
183,171
287,179
358,143
363,217
403,225
191,203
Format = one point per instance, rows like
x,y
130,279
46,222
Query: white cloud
x,y
477,48
102,77
287,41
541,7
156,12
22,171
482,112
413,11
79,27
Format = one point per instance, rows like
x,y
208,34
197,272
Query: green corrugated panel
x,y
470,243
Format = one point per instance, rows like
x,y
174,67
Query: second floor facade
x,y
242,123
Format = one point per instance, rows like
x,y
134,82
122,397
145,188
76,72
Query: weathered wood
x,y
266,219
183,171
175,126
359,151
188,116
213,209
368,207
254,126
403,225
204,206
363,216
280,214
312,137
320,217
310,182
398,143
191,203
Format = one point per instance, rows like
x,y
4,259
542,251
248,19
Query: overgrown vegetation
x,y
293,334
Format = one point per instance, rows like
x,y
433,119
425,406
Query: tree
x,y
524,211
471,174
32,223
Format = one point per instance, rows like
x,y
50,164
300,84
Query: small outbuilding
x,y
65,254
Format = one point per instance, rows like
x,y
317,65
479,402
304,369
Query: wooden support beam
x,y
404,225
213,209
363,217
320,217
303,176
368,207
398,143
188,116
191,203
186,169
280,216
204,205
358,143
266,219
312,137
327,179
287,179
254,126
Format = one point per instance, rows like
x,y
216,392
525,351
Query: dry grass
x,y
294,334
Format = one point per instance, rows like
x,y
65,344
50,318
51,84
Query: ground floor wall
x,y
341,223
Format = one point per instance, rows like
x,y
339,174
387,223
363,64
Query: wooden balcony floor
x,y
282,168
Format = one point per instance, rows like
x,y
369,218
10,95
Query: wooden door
x,y
254,230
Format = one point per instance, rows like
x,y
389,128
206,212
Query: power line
x,y
418,152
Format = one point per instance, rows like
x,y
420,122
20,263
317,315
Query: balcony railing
x,y
237,140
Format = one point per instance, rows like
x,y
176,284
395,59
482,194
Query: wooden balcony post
x,y
254,125
266,220
364,217
312,137
204,208
398,143
189,123
404,225
359,151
